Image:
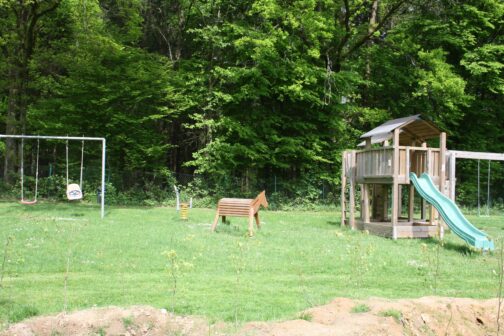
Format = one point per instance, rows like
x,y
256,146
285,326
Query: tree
x,y
20,21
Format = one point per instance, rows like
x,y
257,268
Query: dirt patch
x,y
375,316
133,321
424,316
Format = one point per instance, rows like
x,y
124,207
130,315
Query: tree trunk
x,y
16,115
19,54
372,24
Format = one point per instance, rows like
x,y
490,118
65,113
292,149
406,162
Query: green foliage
x,y
127,322
101,332
441,88
252,90
176,269
486,66
396,314
306,316
360,308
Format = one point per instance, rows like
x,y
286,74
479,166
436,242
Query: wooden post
x,y
429,171
453,160
408,164
257,220
411,203
377,207
361,202
365,203
343,187
216,220
251,223
385,202
432,215
395,185
365,193
442,178
442,163
411,197
428,162
399,200
352,190
423,206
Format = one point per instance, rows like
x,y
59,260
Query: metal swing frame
x,y
454,155
69,138
34,201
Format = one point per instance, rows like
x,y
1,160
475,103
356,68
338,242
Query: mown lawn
x,y
296,260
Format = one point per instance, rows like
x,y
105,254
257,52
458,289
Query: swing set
x,y
73,190
488,197
479,156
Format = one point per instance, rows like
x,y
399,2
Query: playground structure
x,y
73,190
241,207
383,171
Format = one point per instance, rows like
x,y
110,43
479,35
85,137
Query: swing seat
x,y
28,202
74,192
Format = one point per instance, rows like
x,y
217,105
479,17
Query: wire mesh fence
x,y
137,187
149,188
280,191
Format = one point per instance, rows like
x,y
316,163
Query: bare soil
x,y
375,316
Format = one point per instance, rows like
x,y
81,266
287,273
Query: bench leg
x,y
251,226
258,222
214,225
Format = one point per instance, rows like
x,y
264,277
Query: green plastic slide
x,y
451,213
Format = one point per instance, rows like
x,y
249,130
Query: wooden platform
x,y
404,229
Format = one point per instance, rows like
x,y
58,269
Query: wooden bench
x,y
241,207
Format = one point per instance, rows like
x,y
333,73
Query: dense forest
x,y
238,95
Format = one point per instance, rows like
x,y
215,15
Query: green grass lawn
x,y
298,259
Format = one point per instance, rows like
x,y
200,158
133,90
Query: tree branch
x,y
373,30
49,9
30,38
346,37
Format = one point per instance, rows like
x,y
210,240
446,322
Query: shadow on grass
x,y
235,230
47,206
45,210
450,246
460,248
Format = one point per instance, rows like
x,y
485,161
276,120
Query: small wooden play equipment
x,y
241,207
184,211
383,171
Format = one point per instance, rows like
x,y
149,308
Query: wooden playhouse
x,y
381,170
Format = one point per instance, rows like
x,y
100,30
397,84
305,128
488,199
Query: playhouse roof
x,y
412,128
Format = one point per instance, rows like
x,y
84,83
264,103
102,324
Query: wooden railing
x,y
378,163
418,160
374,163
